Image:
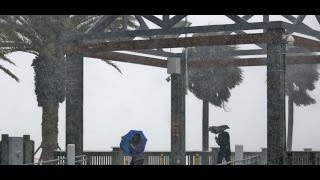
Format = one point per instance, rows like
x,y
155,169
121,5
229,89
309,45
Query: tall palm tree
x,y
41,35
299,79
212,85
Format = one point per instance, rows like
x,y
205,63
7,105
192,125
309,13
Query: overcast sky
x,y
139,98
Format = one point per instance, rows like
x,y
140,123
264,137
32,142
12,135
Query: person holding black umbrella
x,y
223,140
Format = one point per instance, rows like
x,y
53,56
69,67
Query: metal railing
x,y
247,161
58,161
152,158
303,158
46,162
69,159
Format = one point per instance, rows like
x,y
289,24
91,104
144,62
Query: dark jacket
x,y
223,141
136,150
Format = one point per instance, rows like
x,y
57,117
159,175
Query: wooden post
x,y
205,158
214,155
238,154
71,154
205,125
263,157
197,159
276,132
146,159
178,90
117,156
290,123
89,159
28,150
74,102
4,149
161,159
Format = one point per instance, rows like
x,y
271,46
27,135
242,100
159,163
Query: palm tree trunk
x,y
205,125
290,123
49,130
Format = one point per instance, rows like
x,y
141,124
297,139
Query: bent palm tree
x,y
299,79
212,85
41,35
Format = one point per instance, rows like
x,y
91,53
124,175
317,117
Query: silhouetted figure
x,y
223,140
136,150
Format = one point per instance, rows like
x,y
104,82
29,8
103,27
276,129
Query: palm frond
x,y
112,64
9,73
3,57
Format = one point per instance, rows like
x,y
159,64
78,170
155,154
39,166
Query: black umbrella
x,y
218,129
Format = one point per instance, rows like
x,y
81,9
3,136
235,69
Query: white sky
x,y
140,99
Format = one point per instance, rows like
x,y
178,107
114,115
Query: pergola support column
x,y
178,90
276,130
74,102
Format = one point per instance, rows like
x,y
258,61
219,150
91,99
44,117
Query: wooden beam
x,y
306,43
154,20
237,19
318,18
121,57
252,62
180,42
299,19
174,20
82,37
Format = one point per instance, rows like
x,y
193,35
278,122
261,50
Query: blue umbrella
x,y
126,139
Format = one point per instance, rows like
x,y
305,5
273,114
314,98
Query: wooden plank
x,y
306,43
120,57
255,38
252,62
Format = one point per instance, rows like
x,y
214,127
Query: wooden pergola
x,y
272,42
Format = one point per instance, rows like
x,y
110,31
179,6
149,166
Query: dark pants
x,y
136,162
224,154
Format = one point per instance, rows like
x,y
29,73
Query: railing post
x,y
117,156
205,158
196,160
264,157
4,146
161,159
71,154
214,155
146,159
28,150
289,158
89,159
238,154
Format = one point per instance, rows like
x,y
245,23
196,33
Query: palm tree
x,y
212,85
299,79
40,35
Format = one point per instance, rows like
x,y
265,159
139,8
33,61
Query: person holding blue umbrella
x,y
133,144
